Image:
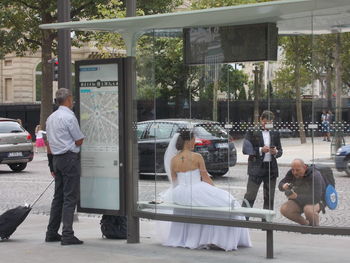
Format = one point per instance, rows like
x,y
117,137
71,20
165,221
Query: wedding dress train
x,y
191,191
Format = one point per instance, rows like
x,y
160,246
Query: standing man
x,y
263,145
64,138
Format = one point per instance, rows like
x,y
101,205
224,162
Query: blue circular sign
x,y
331,197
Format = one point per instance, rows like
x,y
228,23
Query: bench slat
x,y
266,214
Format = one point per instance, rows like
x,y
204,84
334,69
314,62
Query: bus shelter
x,y
223,67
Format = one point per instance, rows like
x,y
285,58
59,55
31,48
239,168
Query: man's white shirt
x,y
63,131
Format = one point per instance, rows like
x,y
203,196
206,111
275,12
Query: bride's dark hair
x,y
185,135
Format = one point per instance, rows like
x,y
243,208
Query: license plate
x,y
222,145
15,154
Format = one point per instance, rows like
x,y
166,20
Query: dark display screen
x,y
226,44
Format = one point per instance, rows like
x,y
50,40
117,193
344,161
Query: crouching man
x,y
303,187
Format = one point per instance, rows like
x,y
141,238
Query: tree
x,y
20,34
160,63
161,77
232,81
298,57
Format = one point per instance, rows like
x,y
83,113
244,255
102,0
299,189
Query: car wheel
x,y
347,166
17,167
218,173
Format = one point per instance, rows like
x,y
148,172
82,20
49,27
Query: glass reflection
x,y
307,91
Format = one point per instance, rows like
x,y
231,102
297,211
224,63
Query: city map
x,y
99,118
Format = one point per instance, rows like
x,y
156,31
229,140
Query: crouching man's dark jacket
x,y
303,187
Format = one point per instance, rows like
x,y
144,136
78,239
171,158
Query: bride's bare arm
x,y
173,173
203,171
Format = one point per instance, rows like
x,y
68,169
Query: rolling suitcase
x,y
12,218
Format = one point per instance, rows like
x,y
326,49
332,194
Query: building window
x,y
8,92
8,63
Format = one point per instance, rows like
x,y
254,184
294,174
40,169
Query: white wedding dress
x,y
191,191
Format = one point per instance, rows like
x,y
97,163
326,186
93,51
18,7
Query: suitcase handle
x,y
47,187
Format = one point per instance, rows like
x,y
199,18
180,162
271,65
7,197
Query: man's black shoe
x,y
71,241
53,238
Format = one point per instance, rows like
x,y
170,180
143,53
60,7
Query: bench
x,y
217,212
268,215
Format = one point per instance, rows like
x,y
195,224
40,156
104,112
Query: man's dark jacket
x,y
252,143
304,186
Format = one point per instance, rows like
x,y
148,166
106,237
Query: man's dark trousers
x,y
67,177
269,186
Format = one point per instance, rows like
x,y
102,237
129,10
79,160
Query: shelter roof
x,y
291,17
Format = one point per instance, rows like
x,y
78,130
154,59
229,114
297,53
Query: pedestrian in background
x,y
39,140
64,139
325,117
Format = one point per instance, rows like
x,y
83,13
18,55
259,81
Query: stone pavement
x,y
27,243
27,246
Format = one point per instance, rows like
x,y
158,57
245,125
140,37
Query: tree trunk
x,y
46,92
338,81
329,92
256,95
338,90
215,99
298,103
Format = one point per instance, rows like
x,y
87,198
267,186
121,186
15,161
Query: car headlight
x,y
340,152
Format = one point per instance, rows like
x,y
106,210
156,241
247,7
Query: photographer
x,y
303,188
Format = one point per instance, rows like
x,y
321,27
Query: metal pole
x,y
269,243
131,8
64,46
131,174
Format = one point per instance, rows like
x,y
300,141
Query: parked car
x,y
212,142
342,159
16,147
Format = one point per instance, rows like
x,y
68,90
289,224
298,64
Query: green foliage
x,y
232,81
108,44
161,64
297,51
316,57
20,20
202,4
151,7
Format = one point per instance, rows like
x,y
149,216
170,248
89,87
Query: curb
x,y
284,164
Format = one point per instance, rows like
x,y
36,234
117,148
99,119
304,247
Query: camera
x,y
289,190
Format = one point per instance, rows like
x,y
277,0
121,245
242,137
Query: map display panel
x,y
99,121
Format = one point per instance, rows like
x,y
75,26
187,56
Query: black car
x,y
212,142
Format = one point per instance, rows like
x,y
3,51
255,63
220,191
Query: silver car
x,y
16,147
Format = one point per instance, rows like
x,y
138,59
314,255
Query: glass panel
x,y
293,91
331,112
146,111
222,103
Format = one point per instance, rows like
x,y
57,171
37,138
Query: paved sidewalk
x,y
27,245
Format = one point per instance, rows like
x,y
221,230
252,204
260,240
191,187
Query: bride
x,y
192,186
